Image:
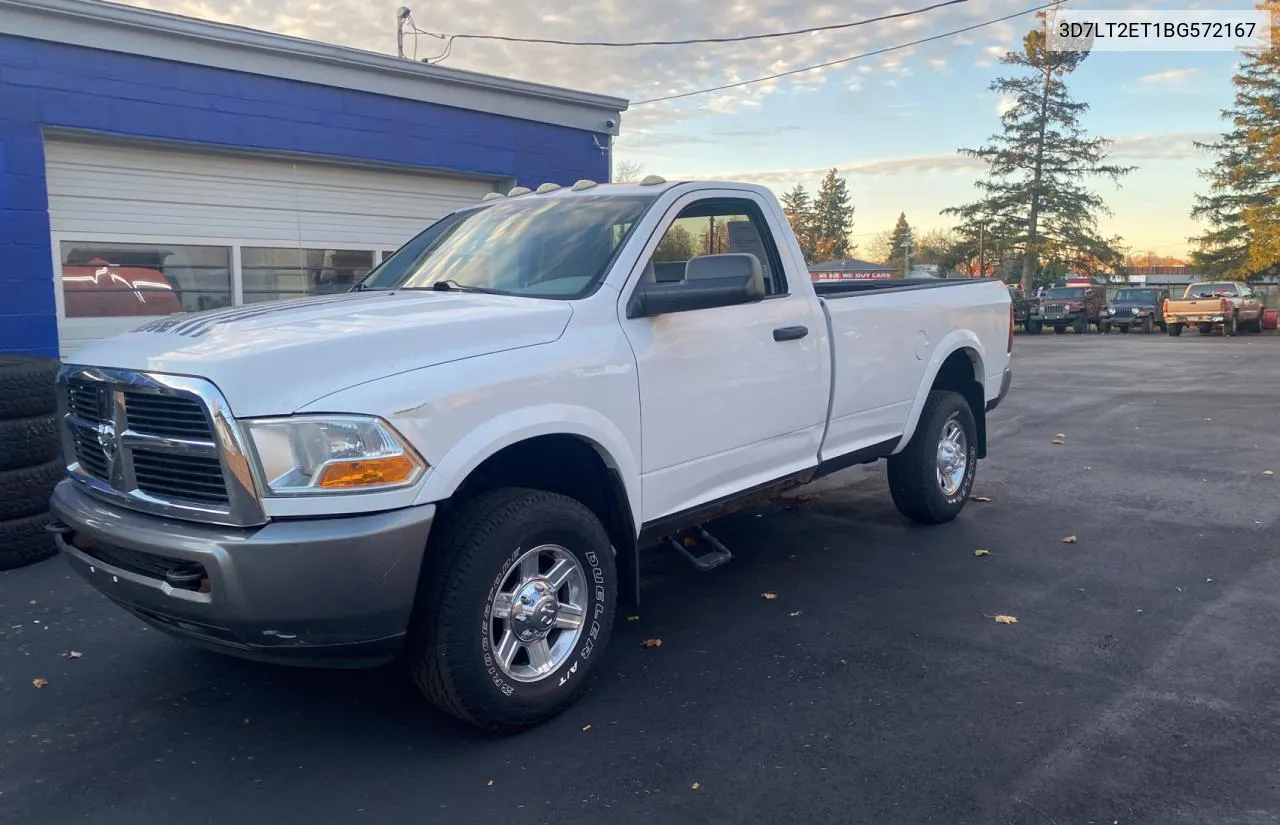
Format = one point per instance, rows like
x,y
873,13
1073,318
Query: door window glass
x,y
716,227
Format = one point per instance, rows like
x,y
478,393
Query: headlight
x,y
328,454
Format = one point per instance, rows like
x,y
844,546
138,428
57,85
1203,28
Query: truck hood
x,y
273,358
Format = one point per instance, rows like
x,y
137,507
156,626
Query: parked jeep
x,y
1074,307
1138,309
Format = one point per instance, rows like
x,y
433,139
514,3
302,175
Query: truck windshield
x,y
537,247
1209,290
1135,295
1066,292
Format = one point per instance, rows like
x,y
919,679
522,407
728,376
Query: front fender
x,y
955,341
486,440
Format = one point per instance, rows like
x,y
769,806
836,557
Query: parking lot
x,y
1140,683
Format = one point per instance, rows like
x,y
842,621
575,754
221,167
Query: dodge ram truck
x,y
458,462
1227,306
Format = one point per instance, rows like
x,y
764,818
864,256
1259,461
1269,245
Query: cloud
x,y
1005,104
635,73
1169,77
1129,149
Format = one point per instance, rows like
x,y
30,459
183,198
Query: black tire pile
x,y
30,461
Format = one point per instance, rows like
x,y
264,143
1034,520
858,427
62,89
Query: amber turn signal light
x,y
367,472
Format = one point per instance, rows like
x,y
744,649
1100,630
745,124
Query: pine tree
x,y
1242,207
798,207
901,240
1034,195
833,219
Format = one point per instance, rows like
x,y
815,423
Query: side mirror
x,y
710,281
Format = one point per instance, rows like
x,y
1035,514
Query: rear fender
x,y
960,339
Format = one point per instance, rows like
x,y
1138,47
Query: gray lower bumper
x,y
1005,381
336,591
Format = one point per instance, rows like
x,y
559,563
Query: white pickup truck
x,y
460,460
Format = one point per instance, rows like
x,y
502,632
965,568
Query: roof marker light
x,y
547,187
518,191
653,180
584,184
492,196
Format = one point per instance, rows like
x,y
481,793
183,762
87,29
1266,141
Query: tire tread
x,y
910,482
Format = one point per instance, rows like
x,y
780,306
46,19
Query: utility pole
x,y
402,14
982,244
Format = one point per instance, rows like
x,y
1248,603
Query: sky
x,y
892,123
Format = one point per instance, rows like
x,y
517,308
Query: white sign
x,y
1141,30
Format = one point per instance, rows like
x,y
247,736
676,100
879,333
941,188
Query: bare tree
x,y
627,171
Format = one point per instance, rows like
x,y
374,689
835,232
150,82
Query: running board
x,y
713,552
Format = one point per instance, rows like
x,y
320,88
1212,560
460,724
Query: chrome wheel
x,y
535,618
953,457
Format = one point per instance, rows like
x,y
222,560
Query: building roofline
x,y
118,28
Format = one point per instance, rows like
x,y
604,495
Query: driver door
x,y
731,396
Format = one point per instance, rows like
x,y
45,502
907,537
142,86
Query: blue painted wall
x,y
46,84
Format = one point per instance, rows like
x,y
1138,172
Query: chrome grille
x,y
152,442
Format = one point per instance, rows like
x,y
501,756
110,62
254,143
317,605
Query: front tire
x,y
1060,330
515,609
1081,326
931,479
1147,325
1034,327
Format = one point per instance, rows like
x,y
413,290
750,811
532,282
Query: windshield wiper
x,y
448,285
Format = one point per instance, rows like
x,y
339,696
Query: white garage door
x,y
140,232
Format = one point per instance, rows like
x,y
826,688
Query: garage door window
x,y
270,273
114,280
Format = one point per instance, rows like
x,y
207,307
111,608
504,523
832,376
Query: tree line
x,y
1035,215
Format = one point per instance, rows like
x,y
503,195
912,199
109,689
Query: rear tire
x,y
1035,327
1173,330
1229,326
1060,330
1104,327
921,490
474,566
1206,329
1147,325
1081,325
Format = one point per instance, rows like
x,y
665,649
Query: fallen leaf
x,y
980,498
1060,435
39,682
1006,619
982,552
72,654
768,596
689,543
490,783
1267,473
1208,419
651,643
586,728
1057,441
633,618
696,785
1070,540
797,613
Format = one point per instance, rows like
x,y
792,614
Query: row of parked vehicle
x,y
1223,307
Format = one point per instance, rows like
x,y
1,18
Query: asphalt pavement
x,y
1140,683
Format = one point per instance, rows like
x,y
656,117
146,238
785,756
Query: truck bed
x,y
845,289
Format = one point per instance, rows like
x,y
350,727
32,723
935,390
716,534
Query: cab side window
x,y
715,227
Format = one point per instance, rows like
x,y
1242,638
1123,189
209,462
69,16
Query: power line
x,y
849,59
695,40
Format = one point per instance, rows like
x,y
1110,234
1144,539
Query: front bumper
x,y
335,591
1005,381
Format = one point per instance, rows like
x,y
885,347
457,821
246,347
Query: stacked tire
x,y
30,464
